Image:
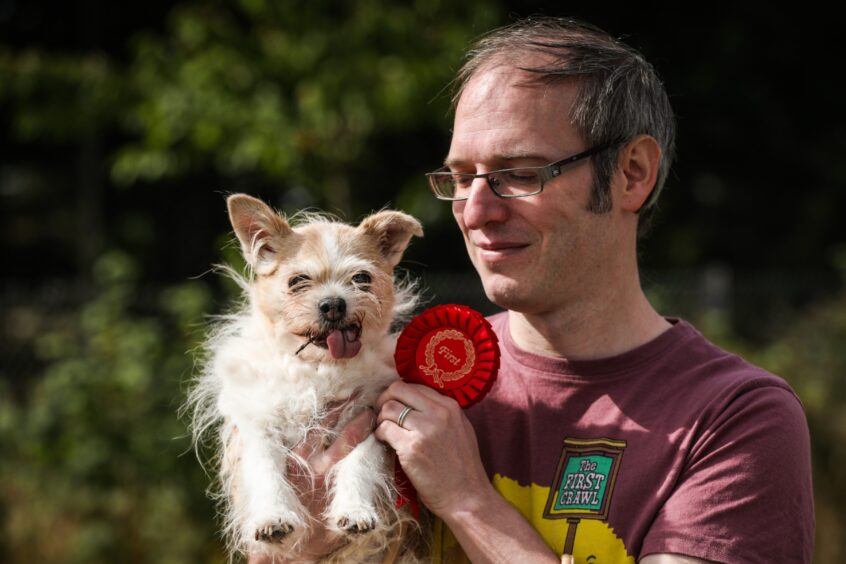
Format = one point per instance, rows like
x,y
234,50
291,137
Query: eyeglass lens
x,y
512,182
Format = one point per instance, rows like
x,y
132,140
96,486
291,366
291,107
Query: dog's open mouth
x,y
342,342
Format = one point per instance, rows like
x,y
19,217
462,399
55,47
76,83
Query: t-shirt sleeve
x,y
745,493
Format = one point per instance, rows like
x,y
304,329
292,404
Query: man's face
x,y
542,252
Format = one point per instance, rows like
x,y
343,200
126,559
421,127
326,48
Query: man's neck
x,y
586,330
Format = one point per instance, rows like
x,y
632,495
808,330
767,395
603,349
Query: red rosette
x,y
452,349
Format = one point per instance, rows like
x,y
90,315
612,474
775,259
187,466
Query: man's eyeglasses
x,y
507,182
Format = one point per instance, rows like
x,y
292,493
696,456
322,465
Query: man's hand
x,y
436,445
312,486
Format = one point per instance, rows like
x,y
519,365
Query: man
x,y
613,434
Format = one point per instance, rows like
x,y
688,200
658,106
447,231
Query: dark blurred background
x,y
123,125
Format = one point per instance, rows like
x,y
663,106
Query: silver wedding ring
x,y
403,414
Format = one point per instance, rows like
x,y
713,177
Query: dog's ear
x,y
392,231
259,229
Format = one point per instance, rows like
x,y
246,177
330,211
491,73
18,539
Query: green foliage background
x,y
96,465
111,174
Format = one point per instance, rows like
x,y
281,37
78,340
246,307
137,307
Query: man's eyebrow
x,y
503,158
523,156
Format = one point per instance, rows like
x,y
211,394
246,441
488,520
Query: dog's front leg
x,y
271,509
358,482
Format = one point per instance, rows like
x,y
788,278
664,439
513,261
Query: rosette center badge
x,y
449,355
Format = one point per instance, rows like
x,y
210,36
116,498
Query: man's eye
x,y
361,278
525,176
462,181
298,282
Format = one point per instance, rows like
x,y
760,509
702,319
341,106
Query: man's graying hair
x,y
620,94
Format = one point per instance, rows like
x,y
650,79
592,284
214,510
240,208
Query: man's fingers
x,y
388,432
399,391
416,396
350,436
391,410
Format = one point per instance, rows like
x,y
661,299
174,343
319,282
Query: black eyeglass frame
x,y
545,173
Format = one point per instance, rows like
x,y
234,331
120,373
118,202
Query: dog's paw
x,y
273,531
357,523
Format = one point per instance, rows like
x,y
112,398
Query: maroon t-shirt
x,y
676,446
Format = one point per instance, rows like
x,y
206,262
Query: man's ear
x,y
260,230
639,161
393,231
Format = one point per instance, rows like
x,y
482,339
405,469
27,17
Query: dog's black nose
x,y
332,309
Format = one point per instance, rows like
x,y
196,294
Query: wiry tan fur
x,y
269,379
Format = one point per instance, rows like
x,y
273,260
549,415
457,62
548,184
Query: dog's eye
x,y
298,282
361,278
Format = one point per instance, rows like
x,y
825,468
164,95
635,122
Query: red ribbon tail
x,y
406,494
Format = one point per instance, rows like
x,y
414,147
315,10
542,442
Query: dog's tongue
x,y
340,346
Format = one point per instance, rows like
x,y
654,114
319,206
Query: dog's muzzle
x,y
340,336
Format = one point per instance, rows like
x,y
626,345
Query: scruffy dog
x,y
313,334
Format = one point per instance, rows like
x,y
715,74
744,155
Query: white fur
x,y
263,399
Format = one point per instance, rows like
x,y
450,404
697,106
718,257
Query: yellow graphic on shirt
x,y
595,543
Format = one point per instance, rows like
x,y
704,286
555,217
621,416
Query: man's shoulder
x,y
710,369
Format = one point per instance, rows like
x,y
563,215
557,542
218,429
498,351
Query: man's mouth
x,y
341,342
498,250
499,245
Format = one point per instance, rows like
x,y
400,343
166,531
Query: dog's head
x,y
324,287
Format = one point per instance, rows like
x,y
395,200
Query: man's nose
x,y
482,206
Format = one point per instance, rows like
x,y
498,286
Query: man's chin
x,y
505,292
